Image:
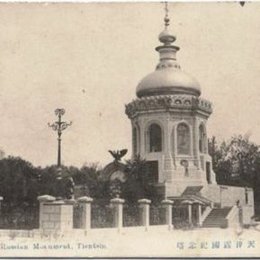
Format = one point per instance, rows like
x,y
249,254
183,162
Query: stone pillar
x,y
144,205
43,199
168,211
85,205
56,216
117,205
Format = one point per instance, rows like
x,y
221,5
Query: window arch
x,y
202,139
183,139
155,138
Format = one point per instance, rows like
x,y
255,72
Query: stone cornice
x,y
168,103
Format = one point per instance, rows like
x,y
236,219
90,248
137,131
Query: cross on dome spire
x,y
166,37
166,17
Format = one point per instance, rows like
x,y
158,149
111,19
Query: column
x,y
85,205
144,205
189,207
190,213
142,138
196,142
199,213
168,211
117,205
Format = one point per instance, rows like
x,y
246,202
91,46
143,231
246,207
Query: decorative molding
x,y
167,103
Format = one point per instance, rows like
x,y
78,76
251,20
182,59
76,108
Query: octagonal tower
x,y
169,124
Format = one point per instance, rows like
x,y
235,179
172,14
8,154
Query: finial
x,y
166,18
166,37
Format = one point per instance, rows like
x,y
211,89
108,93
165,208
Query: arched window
x,y
134,141
202,139
183,139
155,138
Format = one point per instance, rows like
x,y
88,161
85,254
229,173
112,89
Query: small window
x,y
155,138
183,139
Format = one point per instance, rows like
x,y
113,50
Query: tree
x,y
18,181
236,161
137,185
88,176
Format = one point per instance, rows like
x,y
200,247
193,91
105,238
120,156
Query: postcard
x,y
129,129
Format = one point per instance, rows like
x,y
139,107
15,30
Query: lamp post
x,y
59,126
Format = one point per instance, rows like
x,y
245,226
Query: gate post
x,y
117,205
85,204
144,205
167,204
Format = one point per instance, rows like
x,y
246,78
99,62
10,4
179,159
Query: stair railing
x,y
233,217
205,214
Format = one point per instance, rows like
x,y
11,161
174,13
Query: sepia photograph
x,y
130,129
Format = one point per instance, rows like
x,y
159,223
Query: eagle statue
x,y
117,155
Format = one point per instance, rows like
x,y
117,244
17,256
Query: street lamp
x,y
59,126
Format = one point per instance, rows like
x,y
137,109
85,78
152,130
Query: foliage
x,y
21,183
137,185
18,181
236,161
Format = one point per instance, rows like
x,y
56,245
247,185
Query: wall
x,y
227,196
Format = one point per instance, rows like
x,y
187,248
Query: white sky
x,y
89,58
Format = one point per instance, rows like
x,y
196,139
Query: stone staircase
x,y
217,218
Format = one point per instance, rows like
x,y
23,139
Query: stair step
x,y
216,218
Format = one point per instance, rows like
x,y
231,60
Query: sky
x,y
88,59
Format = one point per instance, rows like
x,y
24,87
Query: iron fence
x,y
131,215
101,216
157,215
19,218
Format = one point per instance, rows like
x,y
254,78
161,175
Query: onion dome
x,y
168,78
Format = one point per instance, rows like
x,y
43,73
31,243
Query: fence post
x,y
85,204
117,205
1,199
144,205
167,204
43,199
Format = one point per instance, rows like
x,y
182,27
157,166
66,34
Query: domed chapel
x,y
169,130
